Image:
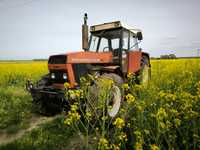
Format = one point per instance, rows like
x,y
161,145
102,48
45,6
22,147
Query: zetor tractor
x,y
112,51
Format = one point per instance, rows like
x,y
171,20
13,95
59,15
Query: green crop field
x,y
163,115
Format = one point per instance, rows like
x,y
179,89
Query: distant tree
x,y
164,56
172,56
40,59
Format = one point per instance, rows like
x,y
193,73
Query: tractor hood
x,y
74,65
60,62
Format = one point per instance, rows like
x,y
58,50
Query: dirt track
x,y
6,138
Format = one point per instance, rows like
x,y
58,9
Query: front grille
x,y
57,59
58,77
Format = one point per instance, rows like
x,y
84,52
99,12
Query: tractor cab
x,y
114,37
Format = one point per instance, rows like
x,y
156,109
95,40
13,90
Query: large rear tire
x,y
144,75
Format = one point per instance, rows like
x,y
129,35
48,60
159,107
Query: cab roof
x,y
114,25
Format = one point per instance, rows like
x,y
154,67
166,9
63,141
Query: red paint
x,y
134,60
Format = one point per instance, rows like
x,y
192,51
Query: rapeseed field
x,y
163,115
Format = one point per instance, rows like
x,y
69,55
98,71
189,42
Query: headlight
x,y
64,76
53,76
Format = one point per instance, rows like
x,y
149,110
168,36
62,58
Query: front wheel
x,y
45,105
113,105
114,95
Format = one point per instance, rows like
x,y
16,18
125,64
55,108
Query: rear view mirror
x,y
139,36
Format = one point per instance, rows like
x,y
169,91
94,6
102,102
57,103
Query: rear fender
x,y
147,56
134,61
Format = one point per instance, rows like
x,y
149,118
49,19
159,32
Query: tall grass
x,y
15,101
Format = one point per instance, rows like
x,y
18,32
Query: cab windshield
x,y
109,40
105,40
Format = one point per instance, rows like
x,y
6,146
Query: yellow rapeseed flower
x,y
162,125
119,123
154,147
130,75
103,144
74,108
115,147
125,86
66,85
130,98
161,114
72,118
138,146
122,136
177,122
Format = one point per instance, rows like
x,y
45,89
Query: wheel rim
x,y
116,102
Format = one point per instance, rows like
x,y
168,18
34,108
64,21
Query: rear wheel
x,y
145,71
113,104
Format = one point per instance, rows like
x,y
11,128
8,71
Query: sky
x,y
31,29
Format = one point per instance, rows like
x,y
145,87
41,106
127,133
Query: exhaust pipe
x,y
85,44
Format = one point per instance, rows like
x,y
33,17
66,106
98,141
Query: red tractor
x,y
112,50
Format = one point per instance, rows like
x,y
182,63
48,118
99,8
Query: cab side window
x,y
115,43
